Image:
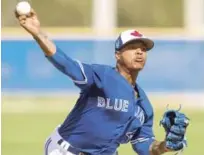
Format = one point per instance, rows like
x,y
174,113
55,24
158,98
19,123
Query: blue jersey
x,y
107,112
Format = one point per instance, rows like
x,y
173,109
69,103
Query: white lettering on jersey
x,y
125,105
101,102
108,106
139,114
117,105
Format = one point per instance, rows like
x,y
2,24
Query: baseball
x,y
23,8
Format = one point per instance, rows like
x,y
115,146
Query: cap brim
x,y
148,42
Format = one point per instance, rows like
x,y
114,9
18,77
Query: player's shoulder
x,y
141,90
143,95
146,104
101,68
99,73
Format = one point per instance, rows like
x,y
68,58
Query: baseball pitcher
x,y
112,108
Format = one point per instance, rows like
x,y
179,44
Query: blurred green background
x,y
148,13
28,121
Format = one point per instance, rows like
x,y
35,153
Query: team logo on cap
x,y
136,34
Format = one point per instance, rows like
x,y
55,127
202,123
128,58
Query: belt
x,y
65,145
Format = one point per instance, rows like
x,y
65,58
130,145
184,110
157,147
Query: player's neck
x,y
130,76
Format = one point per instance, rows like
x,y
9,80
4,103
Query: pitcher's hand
x,y
29,22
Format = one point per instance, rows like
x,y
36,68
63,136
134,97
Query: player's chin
x,y
138,66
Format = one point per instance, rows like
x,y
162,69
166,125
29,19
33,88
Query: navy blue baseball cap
x,y
132,35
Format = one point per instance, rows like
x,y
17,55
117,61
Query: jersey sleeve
x,y
142,140
80,73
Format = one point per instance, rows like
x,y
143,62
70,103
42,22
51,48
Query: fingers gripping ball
x,y
23,8
175,124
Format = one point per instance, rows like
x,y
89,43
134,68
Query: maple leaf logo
x,y
136,34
